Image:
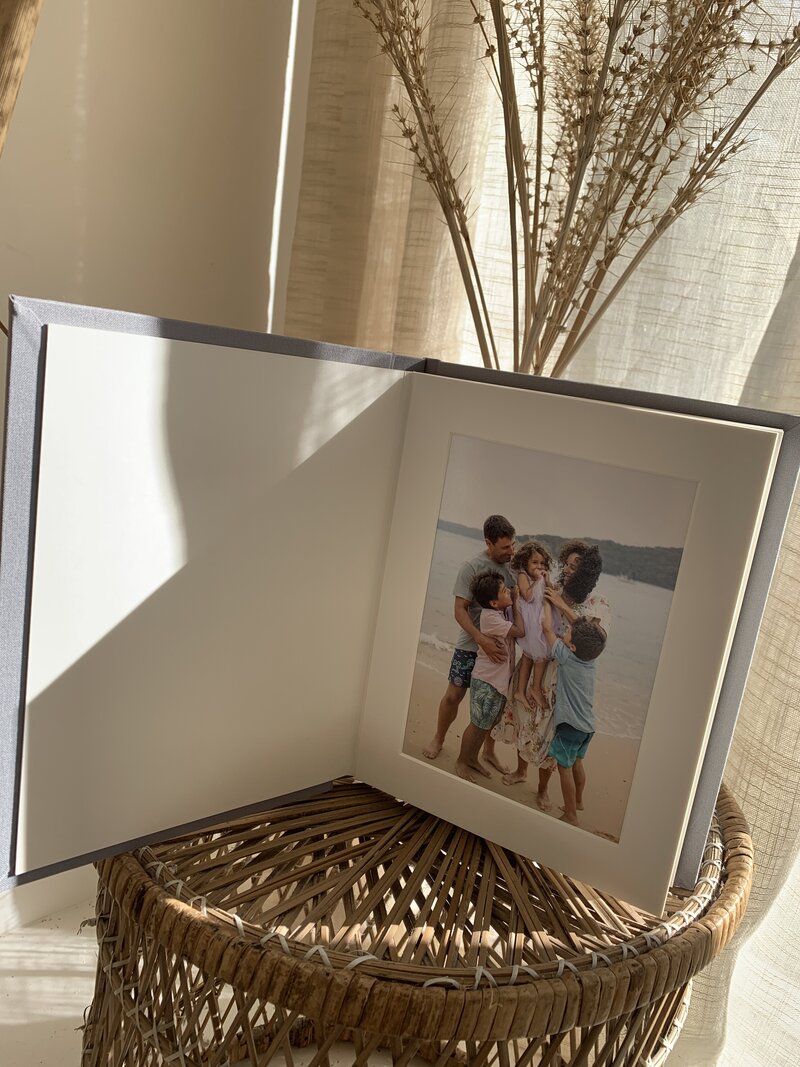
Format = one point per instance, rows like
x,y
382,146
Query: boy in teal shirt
x,y
573,709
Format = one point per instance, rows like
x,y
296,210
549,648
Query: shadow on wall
x,y
164,198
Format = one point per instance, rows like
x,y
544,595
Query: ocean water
x,y
625,670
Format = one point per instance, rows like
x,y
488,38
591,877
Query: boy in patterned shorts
x,y
490,681
498,535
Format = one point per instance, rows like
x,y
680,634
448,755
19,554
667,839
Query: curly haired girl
x,y
532,563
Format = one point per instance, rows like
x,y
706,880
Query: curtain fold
x,y
714,312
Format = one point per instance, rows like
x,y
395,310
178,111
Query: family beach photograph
x,y
547,602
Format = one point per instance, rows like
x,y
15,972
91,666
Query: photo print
x,y
554,723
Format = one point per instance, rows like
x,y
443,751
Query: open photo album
x,y
237,566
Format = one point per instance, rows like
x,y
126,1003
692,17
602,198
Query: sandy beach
x,y
625,674
610,761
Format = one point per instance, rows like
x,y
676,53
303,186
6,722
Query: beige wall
x,y
141,164
141,172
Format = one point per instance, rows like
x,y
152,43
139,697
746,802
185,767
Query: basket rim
x,y
366,993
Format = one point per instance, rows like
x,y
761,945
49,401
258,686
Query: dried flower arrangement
x,y
618,116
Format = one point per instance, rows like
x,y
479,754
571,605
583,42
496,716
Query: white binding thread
x,y
281,940
710,882
179,886
363,959
318,950
441,981
482,972
600,956
565,963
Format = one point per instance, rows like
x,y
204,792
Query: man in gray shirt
x,y
498,534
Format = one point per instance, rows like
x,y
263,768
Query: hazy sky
x,y
541,492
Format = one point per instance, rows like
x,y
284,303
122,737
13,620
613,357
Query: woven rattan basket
x,y
355,918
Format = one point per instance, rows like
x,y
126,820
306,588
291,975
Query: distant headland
x,y
655,566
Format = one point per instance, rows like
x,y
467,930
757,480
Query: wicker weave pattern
x,y
353,915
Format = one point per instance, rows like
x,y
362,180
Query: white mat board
x,y
732,466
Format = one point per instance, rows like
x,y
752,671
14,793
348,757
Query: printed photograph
x,y
548,597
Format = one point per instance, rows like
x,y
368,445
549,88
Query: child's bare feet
x,y
514,777
566,818
578,806
432,749
464,770
542,802
539,699
491,758
520,697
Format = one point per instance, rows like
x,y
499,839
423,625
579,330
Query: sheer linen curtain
x,y
713,313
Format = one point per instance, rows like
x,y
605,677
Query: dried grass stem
x,y
618,116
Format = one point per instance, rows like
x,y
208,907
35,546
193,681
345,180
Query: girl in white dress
x,y
532,563
530,726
